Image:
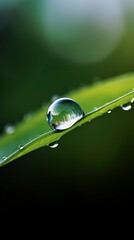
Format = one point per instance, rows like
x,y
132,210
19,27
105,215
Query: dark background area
x,y
93,166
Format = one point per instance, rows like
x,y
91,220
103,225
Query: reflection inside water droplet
x,y
63,113
54,144
9,129
126,106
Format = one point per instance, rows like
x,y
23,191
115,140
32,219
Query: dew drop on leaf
x,y
109,111
64,113
9,129
54,97
20,147
27,116
126,106
132,100
54,144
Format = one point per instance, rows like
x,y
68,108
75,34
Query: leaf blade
x,y
35,132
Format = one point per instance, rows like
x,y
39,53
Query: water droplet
x,y
54,144
109,111
95,109
9,129
54,97
126,107
132,100
4,158
63,113
20,147
27,116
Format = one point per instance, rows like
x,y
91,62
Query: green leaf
x,y
34,132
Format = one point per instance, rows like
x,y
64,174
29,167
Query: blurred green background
x,y
48,48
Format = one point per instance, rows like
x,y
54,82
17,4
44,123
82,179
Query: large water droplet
x,y
63,113
9,129
54,144
126,106
20,147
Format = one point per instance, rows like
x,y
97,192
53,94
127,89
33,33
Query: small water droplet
x,y
64,113
9,129
27,116
132,100
54,97
109,111
54,144
20,147
95,108
4,158
126,106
